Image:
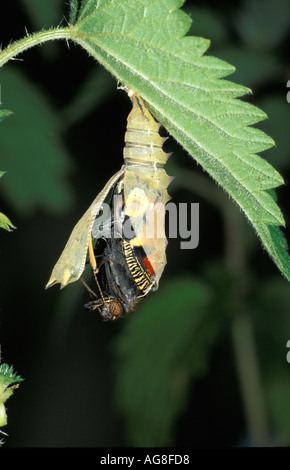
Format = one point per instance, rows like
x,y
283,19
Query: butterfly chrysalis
x,y
129,260
132,260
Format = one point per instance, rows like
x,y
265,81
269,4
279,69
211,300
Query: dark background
x,y
202,363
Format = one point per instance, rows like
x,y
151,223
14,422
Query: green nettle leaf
x,y
74,5
9,380
4,221
31,149
3,114
143,44
152,380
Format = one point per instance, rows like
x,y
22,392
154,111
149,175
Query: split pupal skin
x,y
145,184
134,261
130,265
71,262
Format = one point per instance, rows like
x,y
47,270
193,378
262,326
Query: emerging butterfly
x,y
123,275
129,260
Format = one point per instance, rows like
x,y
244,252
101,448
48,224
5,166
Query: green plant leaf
x,y
4,113
143,44
4,221
31,149
161,350
87,7
74,6
9,380
8,376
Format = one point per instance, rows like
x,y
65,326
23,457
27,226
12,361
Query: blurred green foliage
x,y
180,342
35,180
43,14
173,372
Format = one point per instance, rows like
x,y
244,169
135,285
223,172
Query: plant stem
x,y
22,45
243,338
250,380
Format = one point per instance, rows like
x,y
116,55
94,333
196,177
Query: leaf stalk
x,y
17,47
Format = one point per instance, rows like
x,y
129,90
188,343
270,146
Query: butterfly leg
x,y
94,268
98,303
90,291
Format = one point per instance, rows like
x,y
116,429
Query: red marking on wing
x,y
149,266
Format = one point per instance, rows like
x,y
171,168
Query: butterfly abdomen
x,y
138,270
